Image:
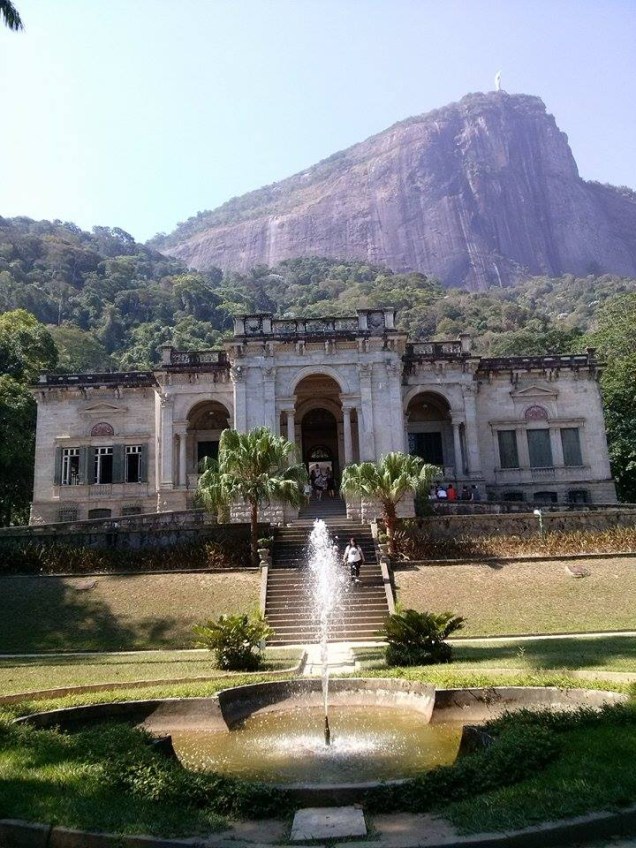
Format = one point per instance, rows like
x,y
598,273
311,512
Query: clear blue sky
x,y
139,113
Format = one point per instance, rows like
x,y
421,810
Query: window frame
x,y
68,477
502,453
99,453
577,447
530,435
133,451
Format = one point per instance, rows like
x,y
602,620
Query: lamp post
x,y
539,515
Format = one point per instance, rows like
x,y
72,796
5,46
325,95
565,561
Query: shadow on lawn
x,y
52,615
553,653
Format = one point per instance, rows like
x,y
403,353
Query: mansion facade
x,y
343,390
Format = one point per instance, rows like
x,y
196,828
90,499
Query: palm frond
x,y
10,15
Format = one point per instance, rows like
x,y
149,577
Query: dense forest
x,y
71,300
110,302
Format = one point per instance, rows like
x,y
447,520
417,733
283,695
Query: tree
x,y
616,341
10,15
254,468
79,350
17,444
388,481
26,346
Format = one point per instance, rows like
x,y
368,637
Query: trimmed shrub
x,y
237,640
418,638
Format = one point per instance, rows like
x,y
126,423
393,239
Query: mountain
x,y
479,193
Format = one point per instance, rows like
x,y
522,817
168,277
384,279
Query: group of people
x,y
320,482
448,492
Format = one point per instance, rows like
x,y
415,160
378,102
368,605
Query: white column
x,y
346,428
472,432
240,398
291,426
457,444
406,447
366,435
167,444
269,398
183,478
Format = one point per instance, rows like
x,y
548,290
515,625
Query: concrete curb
x,y
136,573
15,833
43,694
405,565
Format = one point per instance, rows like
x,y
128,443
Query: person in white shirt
x,y
353,557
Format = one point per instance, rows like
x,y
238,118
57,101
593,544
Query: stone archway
x,y
206,422
430,432
320,422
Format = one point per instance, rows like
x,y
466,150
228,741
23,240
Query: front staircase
x,y
288,605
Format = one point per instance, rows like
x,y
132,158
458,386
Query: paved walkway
x,y
398,830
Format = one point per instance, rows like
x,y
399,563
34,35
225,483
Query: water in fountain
x,y
294,743
328,580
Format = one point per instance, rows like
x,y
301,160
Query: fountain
x,y
326,740
328,581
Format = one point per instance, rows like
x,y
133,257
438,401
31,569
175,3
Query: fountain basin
x,y
400,706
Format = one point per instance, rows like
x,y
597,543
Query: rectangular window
x,y
539,448
70,466
104,465
68,513
508,454
133,464
571,441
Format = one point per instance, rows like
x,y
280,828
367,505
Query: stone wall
x,y
155,530
526,524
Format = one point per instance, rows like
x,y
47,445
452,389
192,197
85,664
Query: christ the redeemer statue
x,y
498,81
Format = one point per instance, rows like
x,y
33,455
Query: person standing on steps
x,y
353,557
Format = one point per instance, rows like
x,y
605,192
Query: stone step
x,y
299,637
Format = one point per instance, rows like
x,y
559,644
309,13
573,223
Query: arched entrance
x,y
430,431
319,424
319,430
206,422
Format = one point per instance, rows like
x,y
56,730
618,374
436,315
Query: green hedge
x,y
20,557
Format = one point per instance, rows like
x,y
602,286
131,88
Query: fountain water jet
x,y
328,580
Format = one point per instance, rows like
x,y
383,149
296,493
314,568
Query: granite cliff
x,y
479,193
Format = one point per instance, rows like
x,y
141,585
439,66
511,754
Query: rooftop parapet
x,y
175,360
109,378
455,349
367,322
546,362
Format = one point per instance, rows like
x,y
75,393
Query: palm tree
x,y
10,15
254,468
387,482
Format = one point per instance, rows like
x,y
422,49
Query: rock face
x,y
478,193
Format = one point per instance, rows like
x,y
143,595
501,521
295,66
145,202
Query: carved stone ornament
x,y
253,325
238,373
102,429
375,321
536,413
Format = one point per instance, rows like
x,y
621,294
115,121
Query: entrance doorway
x,y
430,431
320,440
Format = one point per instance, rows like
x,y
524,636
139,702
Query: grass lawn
x,y
57,671
526,597
594,653
117,613
594,772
